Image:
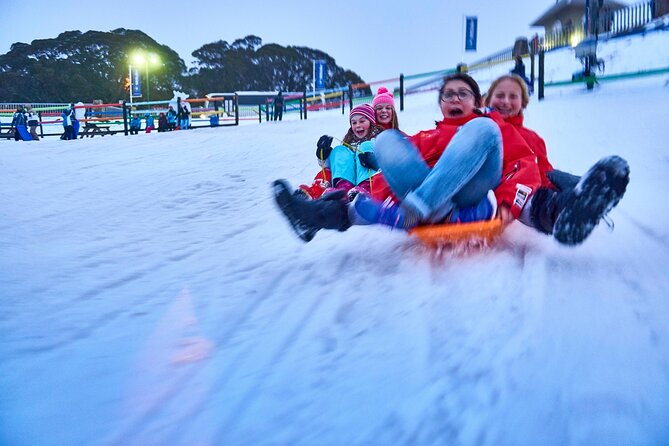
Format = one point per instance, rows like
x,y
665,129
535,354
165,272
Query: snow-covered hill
x,y
152,294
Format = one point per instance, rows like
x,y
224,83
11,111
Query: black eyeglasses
x,y
449,95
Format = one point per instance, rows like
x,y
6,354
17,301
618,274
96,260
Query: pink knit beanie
x,y
365,110
383,96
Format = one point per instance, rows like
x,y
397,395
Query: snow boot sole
x,y
598,191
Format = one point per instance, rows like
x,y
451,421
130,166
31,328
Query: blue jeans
x,y
470,166
345,163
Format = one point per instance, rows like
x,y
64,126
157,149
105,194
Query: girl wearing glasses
x,y
558,207
446,173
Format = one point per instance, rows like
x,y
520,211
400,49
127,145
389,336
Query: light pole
x,y
140,58
130,78
155,60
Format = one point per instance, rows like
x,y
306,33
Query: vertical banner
x,y
319,80
136,83
471,24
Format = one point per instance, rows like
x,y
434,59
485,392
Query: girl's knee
x,y
486,126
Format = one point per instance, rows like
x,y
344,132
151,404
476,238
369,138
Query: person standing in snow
x,y
184,120
33,122
171,118
19,121
559,207
79,116
278,106
519,70
68,124
444,174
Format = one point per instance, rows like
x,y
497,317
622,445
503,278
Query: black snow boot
x,y
598,191
546,206
562,180
307,217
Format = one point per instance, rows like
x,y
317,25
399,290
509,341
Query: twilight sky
x,y
377,40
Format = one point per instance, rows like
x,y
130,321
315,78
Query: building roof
x,y
564,8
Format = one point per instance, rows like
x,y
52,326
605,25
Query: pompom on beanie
x,y
383,96
365,110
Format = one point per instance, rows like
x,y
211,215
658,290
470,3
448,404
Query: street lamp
x,y
139,59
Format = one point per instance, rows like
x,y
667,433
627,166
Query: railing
x,y
628,19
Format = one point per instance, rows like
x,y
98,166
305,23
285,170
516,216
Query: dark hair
x,y
467,79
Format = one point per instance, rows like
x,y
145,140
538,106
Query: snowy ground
x,y
153,295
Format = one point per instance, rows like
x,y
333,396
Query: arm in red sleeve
x,y
520,172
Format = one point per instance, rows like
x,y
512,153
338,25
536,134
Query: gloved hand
x,y
368,160
324,147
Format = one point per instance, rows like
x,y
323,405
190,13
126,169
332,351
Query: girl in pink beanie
x,y
340,165
384,107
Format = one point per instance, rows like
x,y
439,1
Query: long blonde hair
x,y
525,96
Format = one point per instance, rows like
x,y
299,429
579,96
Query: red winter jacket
x,y
537,145
520,174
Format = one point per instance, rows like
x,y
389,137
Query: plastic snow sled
x,y
477,232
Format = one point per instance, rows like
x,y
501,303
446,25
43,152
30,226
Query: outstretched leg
x,y
469,167
309,216
599,191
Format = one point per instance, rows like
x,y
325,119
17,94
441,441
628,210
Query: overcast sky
x,y
377,40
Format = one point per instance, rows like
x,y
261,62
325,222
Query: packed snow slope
x,y
152,294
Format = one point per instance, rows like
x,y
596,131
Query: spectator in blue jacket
x,y
19,122
149,123
68,124
171,118
135,125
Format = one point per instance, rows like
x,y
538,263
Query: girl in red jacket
x,y
444,173
558,207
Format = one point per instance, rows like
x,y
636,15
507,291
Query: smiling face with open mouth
x,y
456,99
360,126
507,98
384,114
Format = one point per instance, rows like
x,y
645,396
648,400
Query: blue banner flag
x,y
136,82
319,75
470,33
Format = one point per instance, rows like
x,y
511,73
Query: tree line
x,y
78,66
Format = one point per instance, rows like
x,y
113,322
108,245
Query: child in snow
x,y
446,173
150,123
162,122
33,122
558,206
343,163
135,124
171,118
384,109
386,118
68,124
184,120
